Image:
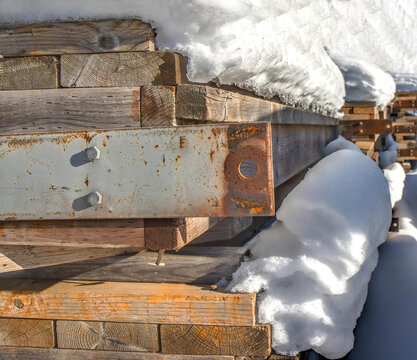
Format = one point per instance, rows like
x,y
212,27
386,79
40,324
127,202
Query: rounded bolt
x,y
94,198
92,153
18,303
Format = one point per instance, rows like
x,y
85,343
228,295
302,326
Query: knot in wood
x,y
18,303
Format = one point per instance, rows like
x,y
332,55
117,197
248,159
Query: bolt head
x,y
94,198
92,153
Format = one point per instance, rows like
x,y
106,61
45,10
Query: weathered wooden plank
x,y
158,106
122,69
92,335
216,340
123,233
225,230
15,258
76,37
8,353
295,147
204,103
31,111
357,117
190,265
173,234
26,332
39,72
125,302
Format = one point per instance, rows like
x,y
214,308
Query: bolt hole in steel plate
x,y
248,169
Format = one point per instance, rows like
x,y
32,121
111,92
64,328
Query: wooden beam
x,y
26,332
124,233
209,104
190,265
76,37
158,106
125,302
93,335
225,230
122,69
173,234
216,340
40,72
31,111
15,258
8,353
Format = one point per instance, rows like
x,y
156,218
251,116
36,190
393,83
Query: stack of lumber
x,y
84,281
364,123
404,126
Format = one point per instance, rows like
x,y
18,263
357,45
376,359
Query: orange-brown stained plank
x,y
125,302
8,353
31,111
76,37
26,332
39,72
122,69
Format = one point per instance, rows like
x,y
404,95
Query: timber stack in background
x,y
127,193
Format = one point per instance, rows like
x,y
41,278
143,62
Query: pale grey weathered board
x,y
76,37
31,111
191,265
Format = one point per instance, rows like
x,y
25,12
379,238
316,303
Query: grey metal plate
x,y
141,173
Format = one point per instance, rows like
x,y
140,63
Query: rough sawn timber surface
x,y
92,335
76,37
39,72
125,302
204,103
8,353
31,111
158,106
216,340
190,265
26,332
123,233
18,257
122,69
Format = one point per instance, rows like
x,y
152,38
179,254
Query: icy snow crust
x,y
270,47
314,263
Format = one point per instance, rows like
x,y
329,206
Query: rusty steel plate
x,y
208,170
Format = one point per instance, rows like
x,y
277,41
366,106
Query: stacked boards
x,y
110,154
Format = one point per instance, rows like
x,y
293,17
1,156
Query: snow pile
x,y
365,81
340,143
270,47
390,154
315,261
395,175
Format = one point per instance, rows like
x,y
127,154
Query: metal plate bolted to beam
x,y
208,170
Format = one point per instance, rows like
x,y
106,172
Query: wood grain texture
x,y
24,332
16,258
122,69
91,335
216,340
226,229
173,234
31,111
8,353
39,72
295,147
76,37
204,103
125,302
77,233
158,106
191,265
